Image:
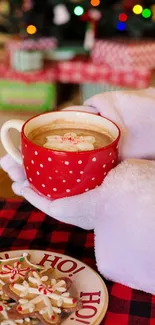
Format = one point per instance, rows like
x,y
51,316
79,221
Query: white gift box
x,y
25,60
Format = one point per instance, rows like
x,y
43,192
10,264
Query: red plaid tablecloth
x,y
24,227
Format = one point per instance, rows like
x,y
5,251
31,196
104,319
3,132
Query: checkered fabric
x,y
44,43
24,227
124,53
80,72
84,72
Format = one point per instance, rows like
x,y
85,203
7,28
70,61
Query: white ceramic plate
x,y
87,284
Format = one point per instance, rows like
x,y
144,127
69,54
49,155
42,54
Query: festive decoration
x,y
32,92
146,13
46,296
78,72
95,3
94,14
61,15
25,60
78,11
28,55
14,272
123,17
137,9
14,269
140,53
61,18
42,44
70,142
31,29
121,26
89,37
4,316
91,17
88,72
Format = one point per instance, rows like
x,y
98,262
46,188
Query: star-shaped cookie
x,y
41,295
14,269
6,320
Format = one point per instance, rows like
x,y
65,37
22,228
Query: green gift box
x,y
21,96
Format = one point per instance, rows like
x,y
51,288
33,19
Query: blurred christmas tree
x,y
68,20
12,20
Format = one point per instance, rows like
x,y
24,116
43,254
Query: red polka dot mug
x,y
55,174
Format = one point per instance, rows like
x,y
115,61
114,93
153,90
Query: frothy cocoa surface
x,y
61,127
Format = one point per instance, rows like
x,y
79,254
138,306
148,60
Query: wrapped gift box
x,y
81,72
25,60
118,53
41,44
22,96
28,55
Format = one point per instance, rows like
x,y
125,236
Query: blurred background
x,y
57,53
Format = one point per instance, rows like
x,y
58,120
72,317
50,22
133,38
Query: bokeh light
x,y
95,3
123,17
31,29
137,9
78,11
146,13
121,26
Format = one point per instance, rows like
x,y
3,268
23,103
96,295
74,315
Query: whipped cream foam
x,y
70,142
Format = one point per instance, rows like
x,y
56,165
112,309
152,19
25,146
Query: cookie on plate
x,y
43,296
6,320
14,269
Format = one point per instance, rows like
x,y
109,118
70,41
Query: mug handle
x,y
6,139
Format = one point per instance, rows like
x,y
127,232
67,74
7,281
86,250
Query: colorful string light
x,y
78,11
31,29
121,26
137,9
123,17
146,13
95,3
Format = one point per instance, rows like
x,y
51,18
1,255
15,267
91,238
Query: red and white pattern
x,y
46,75
44,43
13,272
83,72
50,293
14,269
87,72
124,53
5,319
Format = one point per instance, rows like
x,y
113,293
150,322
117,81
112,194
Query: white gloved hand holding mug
x,y
121,211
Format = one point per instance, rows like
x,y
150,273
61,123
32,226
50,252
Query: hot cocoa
x,y
68,136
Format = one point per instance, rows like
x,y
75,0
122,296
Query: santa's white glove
x,y
134,112
59,209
